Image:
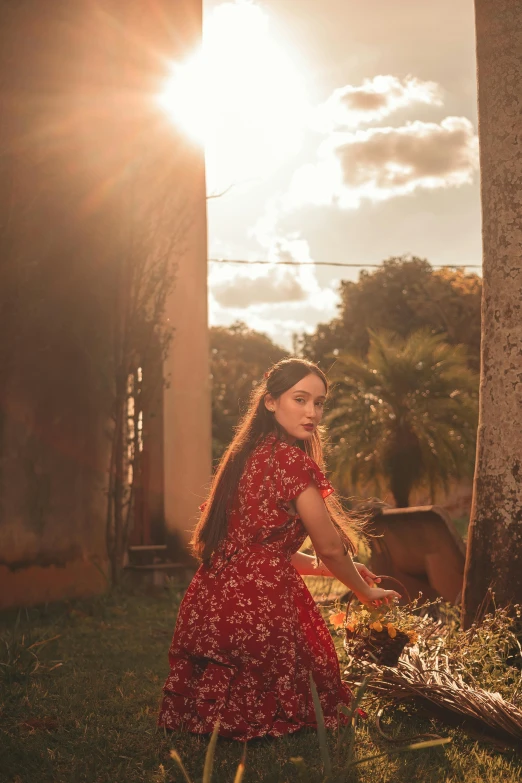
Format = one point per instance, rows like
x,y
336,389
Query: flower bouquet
x,y
378,635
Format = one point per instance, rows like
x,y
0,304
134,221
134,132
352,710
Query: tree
x,y
239,356
404,417
403,295
495,535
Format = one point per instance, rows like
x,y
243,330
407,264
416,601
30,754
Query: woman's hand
x,y
367,575
375,596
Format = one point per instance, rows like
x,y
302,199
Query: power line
x,y
331,263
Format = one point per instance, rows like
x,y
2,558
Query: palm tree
x,y
406,416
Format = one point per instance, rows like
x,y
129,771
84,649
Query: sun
x,y
242,95
184,97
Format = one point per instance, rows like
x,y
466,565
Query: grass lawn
x,y
82,707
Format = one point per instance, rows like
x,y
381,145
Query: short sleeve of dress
x,y
295,471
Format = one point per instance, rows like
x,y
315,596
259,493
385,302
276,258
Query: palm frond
x,y
416,389
443,693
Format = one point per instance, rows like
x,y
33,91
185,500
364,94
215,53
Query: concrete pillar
x,y
187,402
494,556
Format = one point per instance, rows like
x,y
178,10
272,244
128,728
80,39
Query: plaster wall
x,y
78,84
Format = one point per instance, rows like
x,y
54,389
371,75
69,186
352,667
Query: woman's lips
x,y
308,427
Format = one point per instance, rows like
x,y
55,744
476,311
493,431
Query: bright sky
x,y
345,131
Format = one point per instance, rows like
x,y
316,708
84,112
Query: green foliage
x,y
404,295
238,358
209,760
20,656
487,655
405,417
321,729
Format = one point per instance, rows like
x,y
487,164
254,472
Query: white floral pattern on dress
x,y
248,631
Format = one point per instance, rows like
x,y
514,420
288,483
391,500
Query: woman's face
x,y
300,409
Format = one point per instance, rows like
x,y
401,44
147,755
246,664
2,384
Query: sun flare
x,y
242,95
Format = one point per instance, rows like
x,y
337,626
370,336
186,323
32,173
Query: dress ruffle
x,y
255,682
199,694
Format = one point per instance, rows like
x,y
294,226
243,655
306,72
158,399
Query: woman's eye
x,y
320,404
299,399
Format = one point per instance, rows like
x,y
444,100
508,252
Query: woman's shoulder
x,y
295,469
275,447
287,453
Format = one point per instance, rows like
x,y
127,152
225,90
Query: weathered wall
x,y
53,451
53,503
77,82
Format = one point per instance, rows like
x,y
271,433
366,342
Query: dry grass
x,y
80,686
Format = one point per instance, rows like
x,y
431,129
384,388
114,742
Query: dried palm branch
x,y
443,693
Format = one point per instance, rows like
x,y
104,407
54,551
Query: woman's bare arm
x,y
330,549
305,565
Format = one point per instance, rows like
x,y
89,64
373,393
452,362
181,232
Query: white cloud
x,y
252,284
381,163
278,300
280,321
374,100
248,288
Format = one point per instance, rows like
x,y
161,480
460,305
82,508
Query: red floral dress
x,y
248,631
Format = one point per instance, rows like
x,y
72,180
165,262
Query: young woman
x,y
248,632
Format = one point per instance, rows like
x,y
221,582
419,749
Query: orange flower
x,y
337,619
350,626
377,625
412,636
392,631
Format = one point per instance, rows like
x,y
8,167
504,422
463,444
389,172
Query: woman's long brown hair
x,y
253,427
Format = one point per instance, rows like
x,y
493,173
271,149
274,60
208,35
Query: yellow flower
x,y
392,631
377,626
337,619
